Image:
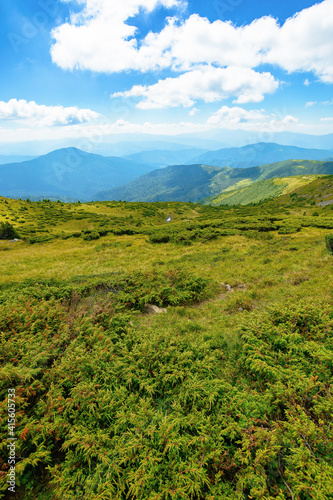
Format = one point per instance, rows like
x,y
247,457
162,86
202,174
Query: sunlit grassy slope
x,y
227,395
243,193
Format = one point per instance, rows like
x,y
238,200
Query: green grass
x,y
261,190
227,395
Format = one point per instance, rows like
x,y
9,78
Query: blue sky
x,y
69,68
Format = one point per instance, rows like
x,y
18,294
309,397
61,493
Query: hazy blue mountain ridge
x,y
164,158
67,172
257,154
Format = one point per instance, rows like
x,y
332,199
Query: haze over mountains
x,y
14,158
258,154
132,143
67,172
163,158
194,174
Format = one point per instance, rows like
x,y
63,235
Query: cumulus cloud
x,y
208,84
102,38
305,42
198,41
41,115
99,38
237,117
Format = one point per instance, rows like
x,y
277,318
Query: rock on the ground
x,y
151,309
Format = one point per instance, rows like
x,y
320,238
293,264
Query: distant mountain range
x,y
69,173
163,157
258,154
14,158
252,155
196,182
129,143
72,174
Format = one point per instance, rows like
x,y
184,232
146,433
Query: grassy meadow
x,y
227,395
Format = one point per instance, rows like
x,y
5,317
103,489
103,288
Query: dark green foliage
x,y
289,229
107,413
257,235
329,242
90,235
172,287
210,229
185,236
40,239
7,231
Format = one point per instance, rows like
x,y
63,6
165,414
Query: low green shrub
x,y
40,239
89,236
7,231
258,235
171,287
108,411
329,242
289,229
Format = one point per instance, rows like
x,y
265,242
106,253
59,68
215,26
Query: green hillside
x,y
174,183
260,190
195,182
224,394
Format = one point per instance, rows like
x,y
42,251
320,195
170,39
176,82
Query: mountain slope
x,y
67,172
195,182
163,158
14,158
258,154
238,178
260,190
177,183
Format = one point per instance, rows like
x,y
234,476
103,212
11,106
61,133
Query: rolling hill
x,y
195,182
176,183
67,172
257,154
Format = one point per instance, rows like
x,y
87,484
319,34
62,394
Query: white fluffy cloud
x,y
42,115
240,118
198,41
102,38
208,84
305,42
